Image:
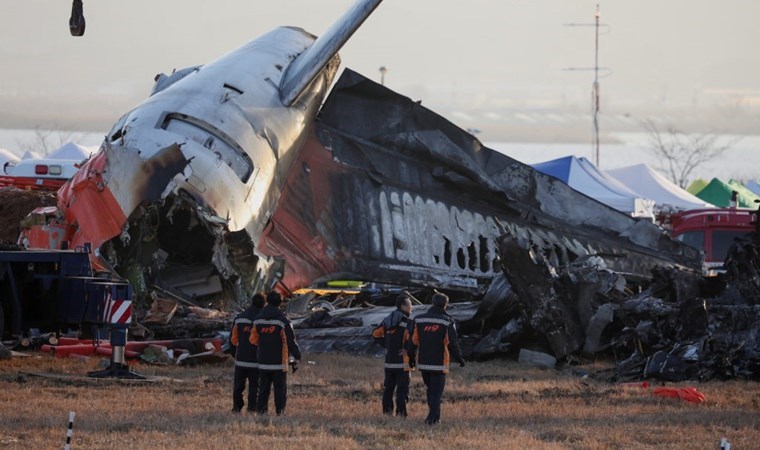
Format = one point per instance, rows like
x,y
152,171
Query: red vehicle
x,y
712,230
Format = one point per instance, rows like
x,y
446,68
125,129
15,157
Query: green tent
x,y
696,186
744,192
719,194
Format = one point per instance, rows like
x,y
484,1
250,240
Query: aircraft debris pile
x,y
325,328
680,326
187,322
699,330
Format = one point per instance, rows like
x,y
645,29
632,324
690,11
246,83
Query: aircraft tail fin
x,y
307,66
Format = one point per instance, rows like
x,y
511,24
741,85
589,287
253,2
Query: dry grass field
x,y
334,402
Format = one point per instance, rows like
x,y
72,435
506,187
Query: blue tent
x,y
753,186
584,177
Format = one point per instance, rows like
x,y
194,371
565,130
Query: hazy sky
x,y
450,54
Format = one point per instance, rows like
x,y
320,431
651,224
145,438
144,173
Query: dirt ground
x,y
15,204
334,402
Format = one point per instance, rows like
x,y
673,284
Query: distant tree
x,y
680,153
47,140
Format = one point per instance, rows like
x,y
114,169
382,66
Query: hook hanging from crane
x,y
76,22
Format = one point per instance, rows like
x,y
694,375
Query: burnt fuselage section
x,y
387,190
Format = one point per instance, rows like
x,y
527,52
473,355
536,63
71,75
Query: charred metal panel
x,y
135,180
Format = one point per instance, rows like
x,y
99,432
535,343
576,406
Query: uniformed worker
x,y
246,367
434,339
273,334
394,333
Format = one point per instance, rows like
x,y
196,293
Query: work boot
x,y
236,410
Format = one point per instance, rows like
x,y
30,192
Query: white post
x,y
69,430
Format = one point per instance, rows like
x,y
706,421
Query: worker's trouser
x,y
243,374
267,378
396,380
435,382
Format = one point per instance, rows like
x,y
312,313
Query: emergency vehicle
x,y
38,174
713,231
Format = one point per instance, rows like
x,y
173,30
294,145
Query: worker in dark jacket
x,y
394,333
246,368
434,339
273,334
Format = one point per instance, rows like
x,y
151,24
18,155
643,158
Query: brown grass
x,y
335,403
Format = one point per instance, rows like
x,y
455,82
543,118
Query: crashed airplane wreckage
x,y
230,179
381,189
224,182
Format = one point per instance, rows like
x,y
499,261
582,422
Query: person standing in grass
x,y
434,340
273,334
246,367
394,333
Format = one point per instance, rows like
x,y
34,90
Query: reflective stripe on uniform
x,y
269,322
272,367
431,367
247,365
430,320
242,320
396,366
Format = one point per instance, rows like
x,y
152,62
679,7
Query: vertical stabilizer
x,y
307,66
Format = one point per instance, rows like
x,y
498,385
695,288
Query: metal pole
x,y
596,89
595,94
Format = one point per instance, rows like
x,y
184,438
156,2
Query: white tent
x,y
30,154
647,182
581,175
72,151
